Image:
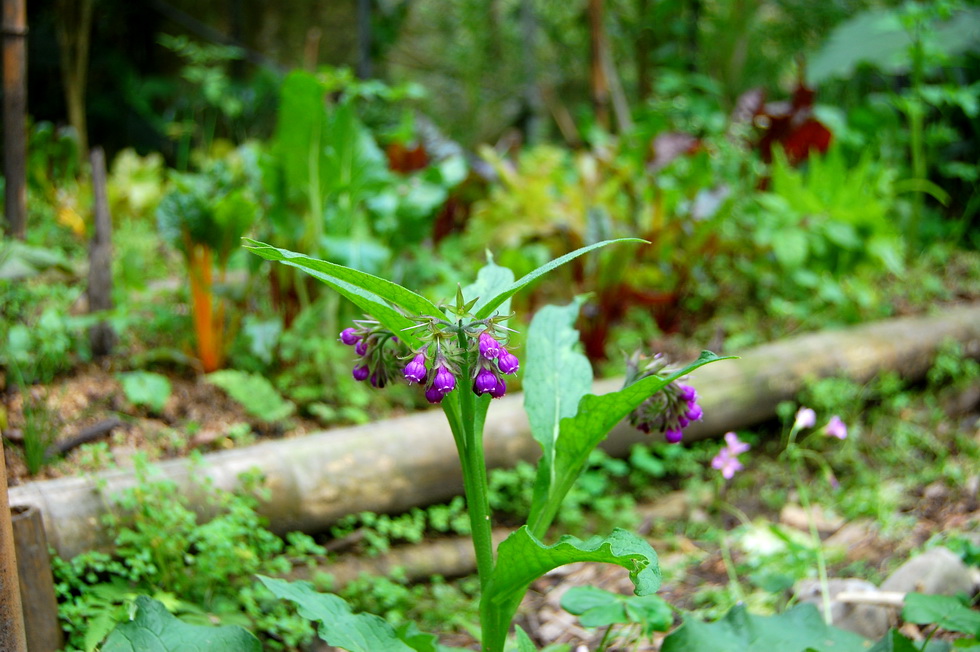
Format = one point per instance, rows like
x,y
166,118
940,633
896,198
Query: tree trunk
x,y
74,38
599,83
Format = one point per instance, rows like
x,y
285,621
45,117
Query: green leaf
x,y
146,388
599,608
556,377
522,558
490,306
491,280
154,629
945,611
801,629
255,393
894,641
524,642
338,625
370,293
595,417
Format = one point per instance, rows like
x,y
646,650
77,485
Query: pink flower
x,y
735,445
836,428
727,463
726,460
805,418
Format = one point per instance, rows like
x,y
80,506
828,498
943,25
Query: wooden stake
x,y
36,582
15,116
101,336
12,634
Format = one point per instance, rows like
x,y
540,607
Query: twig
x,y
91,433
880,598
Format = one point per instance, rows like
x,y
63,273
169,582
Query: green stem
x,y
815,535
605,640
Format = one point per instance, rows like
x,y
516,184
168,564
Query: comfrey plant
x,y
460,357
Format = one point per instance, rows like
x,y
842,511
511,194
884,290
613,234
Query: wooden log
x,y
392,466
36,581
101,336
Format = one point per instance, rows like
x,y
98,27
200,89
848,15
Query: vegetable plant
x,y
459,355
204,216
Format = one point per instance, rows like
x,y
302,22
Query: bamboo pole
x,y
392,466
12,634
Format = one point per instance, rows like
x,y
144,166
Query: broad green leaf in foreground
x,y
495,302
895,641
342,628
556,377
946,611
522,558
801,629
154,629
595,417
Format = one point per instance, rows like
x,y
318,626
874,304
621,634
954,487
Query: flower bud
x,y
415,370
349,336
433,395
361,373
499,389
507,362
489,347
444,380
485,382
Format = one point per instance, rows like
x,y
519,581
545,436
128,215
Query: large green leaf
x,y
877,37
339,626
801,629
556,377
370,293
154,629
522,558
595,417
492,304
945,611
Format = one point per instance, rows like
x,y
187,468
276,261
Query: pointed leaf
x,y
154,629
595,417
491,305
556,377
338,625
524,642
370,293
491,280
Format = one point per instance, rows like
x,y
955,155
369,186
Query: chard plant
x,y
460,356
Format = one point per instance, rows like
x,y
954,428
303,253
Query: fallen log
x,y
392,466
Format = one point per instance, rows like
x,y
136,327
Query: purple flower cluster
x,y
668,411
727,460
435,364
376,347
